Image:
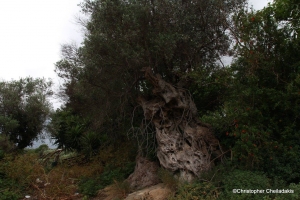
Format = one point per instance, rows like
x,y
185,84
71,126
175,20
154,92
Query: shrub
x,y
5,144
23,169
239,179
9,195
196,191
40,150
9,189
89,186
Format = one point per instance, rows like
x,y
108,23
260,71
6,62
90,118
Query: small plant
x,y
9,195
23,169
89,187
196,191
41,149
9,189
5,144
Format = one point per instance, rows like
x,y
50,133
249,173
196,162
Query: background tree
x,y
259,121
24,109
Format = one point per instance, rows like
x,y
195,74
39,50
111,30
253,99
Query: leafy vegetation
x,y
24,109
259,121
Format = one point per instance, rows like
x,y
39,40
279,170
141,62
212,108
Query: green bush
x,y
41,148
239,179
9,189
196,191
5,144
9,195
290,196
89,186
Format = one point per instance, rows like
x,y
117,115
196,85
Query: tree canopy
x,y
259,120
24,109
104,77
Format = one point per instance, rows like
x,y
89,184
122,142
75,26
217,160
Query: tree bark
x,y
185,145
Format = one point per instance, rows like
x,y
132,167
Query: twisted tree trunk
x,y
185,145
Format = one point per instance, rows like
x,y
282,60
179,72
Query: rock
x,y
156,192
107,193
144,175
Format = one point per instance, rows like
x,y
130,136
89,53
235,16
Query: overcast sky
x,y
31,34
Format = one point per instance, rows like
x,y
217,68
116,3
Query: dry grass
x,y
58,183
42,181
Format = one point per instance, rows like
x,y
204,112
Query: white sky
x,y
31,34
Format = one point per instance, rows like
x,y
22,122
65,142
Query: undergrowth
x,y
24,174
91,185
220,182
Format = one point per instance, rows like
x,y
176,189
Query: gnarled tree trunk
x,y
185,145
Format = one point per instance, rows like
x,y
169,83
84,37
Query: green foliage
x,y
17,172
196,191
90,186
206,88
9,189
259,119
25,107
5,145
67,128
72,132
239,179
41,148
288,10
90,142
296,189
9,195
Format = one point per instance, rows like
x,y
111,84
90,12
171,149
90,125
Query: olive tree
x,y
141,53
24,109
